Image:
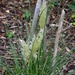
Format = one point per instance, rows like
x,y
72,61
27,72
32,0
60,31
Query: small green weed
x,y
72,6
26,14
9,34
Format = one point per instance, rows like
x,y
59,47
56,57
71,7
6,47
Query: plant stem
x,y
35,18
57,37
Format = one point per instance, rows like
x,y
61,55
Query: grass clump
x,y
33,60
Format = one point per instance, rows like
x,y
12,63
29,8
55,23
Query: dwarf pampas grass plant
x,y
35,61
32,46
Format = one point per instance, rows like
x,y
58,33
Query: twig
x,y
57,37
1,17
7,57
68,50
67,27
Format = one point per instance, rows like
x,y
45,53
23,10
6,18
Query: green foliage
x,y
53,3
73,16
73,23
73,49
42,65
73,19
72,6
9,34
26,14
